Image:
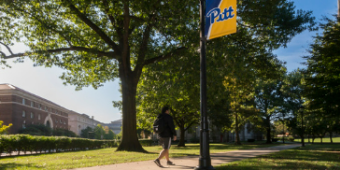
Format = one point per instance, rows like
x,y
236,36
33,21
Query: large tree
x,y
99,40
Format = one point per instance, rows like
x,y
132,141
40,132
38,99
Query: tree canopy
x,y
96,41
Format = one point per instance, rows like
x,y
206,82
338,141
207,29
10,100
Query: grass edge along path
x,y
318,140
313,156
99,157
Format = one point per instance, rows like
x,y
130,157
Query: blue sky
x,y
45,82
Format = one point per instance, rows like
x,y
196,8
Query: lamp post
x,y
204,159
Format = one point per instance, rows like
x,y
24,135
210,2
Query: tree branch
x,y
73,48
94,27
112,20
189,125
165,56
9,49
144,44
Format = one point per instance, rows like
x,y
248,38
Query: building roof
x,y
12,87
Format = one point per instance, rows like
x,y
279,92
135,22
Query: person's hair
x,y
165,108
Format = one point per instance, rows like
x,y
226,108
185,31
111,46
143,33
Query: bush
x,y
290,138
10,143
195,140
251,140
146,142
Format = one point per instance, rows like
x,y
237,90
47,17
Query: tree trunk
x,y
237,140
129,131
268,130
308,137
283,133
182,136
331,137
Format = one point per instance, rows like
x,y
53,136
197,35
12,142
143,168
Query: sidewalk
x,y
191,162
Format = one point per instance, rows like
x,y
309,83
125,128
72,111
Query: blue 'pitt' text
x,y
216,12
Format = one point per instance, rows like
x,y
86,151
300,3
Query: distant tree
x,y
241,106
144,123
37,129
87,133
63,132
322,76
109,134
177,88
268,99
99,132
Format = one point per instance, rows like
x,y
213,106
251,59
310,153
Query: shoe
x,y
169,163
158,163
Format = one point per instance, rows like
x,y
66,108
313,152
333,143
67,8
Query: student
x,y
166,136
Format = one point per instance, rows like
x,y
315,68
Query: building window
x,y
23,113
38,116
32,115
32,104
23,101
39,106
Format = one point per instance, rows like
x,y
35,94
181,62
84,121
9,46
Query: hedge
x,y
290,138
24,143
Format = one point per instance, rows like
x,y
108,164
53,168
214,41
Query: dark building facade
x,y
22,108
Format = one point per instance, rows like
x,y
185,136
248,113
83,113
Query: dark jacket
x,y
169,130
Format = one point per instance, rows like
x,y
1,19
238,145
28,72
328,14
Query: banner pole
x,y
204,159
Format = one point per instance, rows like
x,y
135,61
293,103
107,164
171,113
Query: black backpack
x,y
159,125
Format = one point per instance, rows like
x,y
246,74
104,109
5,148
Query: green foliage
x,y
26,143
147,142
269,99
87,133
173,84
42,130
4,128
98,41
63,132
322,80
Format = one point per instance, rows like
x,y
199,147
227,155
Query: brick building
x,y
22,108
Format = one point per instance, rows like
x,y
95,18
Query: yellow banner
x,y
220,18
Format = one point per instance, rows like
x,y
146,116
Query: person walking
x,y
165,136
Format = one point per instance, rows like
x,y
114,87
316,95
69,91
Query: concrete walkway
x,y
191,162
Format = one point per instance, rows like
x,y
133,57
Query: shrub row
x,y
290,139
24,143
148,142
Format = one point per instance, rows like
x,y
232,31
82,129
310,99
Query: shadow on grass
x,y
11,166
228,146
268,166
311,157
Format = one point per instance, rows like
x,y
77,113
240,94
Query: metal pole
x,y
338,9
204,160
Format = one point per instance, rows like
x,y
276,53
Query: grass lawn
x,y
313,157
68,160
324,140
